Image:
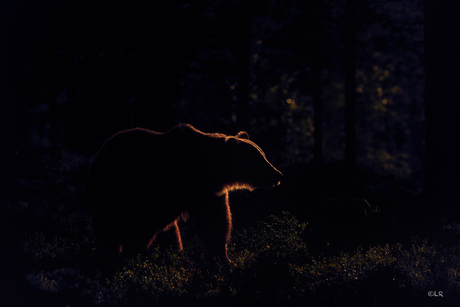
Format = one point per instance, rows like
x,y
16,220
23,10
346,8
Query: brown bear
x,y
143,182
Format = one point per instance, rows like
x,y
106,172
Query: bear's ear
x,y
231,140
242,135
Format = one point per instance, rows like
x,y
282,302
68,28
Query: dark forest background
x,y
350,99
266,68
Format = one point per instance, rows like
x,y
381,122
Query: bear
x,y
142,183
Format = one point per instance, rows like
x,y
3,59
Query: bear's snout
x,y
279,179
273,179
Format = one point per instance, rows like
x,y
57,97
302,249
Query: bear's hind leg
x,y
170,233
176,230
108,254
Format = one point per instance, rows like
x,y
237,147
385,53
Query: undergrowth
x,y
272,265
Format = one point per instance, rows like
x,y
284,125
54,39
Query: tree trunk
x,y
242,57
442,109
156,71
350,83
316,76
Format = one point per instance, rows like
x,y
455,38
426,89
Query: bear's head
x,y
247,166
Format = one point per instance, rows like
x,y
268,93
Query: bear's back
x,y
136,157
129,156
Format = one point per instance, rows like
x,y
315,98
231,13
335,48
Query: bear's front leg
x,y
213,224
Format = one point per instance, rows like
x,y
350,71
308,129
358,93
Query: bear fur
x,y
143,182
